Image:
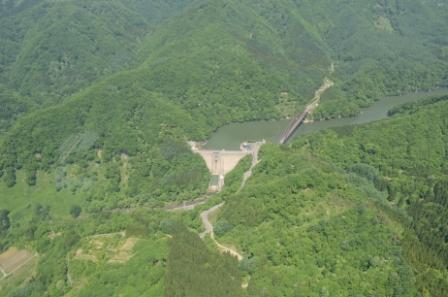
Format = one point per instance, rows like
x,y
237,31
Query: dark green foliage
x,y
311,215
222,227
52,49
10,176
170,226
122,85
375,44
302,223
31,172
11,106
41,212
133,132
410,154
162,88
415,106
114,177
75,211
4,221
51,53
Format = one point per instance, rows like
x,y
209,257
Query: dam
x,y
221,162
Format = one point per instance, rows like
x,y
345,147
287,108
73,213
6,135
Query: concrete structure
x,y
294,124
221,162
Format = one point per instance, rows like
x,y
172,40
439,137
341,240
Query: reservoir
x,y
229,137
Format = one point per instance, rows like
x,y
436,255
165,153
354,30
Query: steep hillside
x,y
209,63
12,106
409,158
98,99
224,58
171,95
379,47
352,210
51,49
56,48
116,119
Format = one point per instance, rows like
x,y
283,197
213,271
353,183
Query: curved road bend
x,y
205,217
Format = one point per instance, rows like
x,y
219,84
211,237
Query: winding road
x,y
205,217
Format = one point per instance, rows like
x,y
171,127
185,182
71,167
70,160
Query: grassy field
x,y
15,267
21,198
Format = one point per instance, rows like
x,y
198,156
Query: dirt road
x,y
255,161
318,94
187,205
205,217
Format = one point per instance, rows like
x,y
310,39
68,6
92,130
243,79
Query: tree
x,y
441,192
10,176
75,211
5,223
42,212
222,226
31,177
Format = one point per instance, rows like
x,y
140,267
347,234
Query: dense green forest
x,y
212,61
99,98
356,210
353,211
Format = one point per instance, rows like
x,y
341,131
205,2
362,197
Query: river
x,y
230,136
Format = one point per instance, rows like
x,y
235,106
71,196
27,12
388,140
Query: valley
x,y
224,148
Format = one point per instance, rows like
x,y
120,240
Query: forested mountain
x,y
99,98
51,49
217,61
349,205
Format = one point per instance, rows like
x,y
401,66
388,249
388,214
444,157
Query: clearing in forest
x,y
13,260
113,249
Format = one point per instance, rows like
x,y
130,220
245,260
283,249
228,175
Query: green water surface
x,y
230,136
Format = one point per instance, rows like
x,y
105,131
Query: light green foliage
x,y
131,278
355,209
194,271
235,177
407,155
146,129
98,99
309,228
204,64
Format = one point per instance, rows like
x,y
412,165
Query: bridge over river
x,y
298,120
